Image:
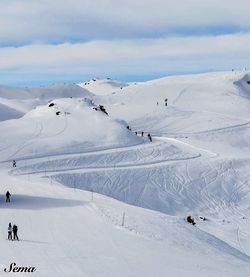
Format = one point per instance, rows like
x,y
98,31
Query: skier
x,y
14,163
15,232
142,133
149,137
135,132
8,196
10,232
190,220
166,102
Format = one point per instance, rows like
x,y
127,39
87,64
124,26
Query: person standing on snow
x,y
149,137
14,163
8,195
15,229
10,232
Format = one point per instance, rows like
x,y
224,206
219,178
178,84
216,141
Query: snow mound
x,y
103,86
62,126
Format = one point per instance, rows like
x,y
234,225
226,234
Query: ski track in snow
x,y
211,131
37,132
118,155
116,159
137,164
171,175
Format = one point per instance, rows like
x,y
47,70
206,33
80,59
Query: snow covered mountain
x,y
92,196
103,86
15,102
64,124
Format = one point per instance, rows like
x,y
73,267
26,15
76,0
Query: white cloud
x,y
131,37
45,20
141,56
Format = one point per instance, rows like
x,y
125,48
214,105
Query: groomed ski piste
x,y
92,198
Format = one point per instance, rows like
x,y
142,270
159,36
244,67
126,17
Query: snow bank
x,y
70,125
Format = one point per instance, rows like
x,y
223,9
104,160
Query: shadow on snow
x,y
20,201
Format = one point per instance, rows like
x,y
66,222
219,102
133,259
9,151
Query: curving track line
x,y
27,143
238,239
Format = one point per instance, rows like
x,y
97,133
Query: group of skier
x,y
142,133
149,135
12,230
165,102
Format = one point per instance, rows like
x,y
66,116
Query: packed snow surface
x,y
92,196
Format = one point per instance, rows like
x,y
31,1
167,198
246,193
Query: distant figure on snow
x,y
149,137
103,109
166,102
14,163
135,132
142,133
10,232
15,229
8,195
190,220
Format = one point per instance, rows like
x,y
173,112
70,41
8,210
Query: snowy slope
x,y
194,103
103,86
63,125
199,157
64,233
7,112
71,167
15,102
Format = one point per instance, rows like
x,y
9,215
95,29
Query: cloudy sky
x,y
45,41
